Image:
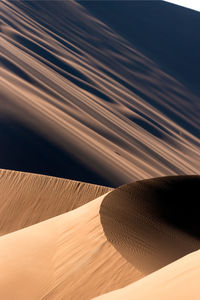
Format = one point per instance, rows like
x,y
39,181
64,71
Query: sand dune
x,y
67,257
79,85
146,25
179,280
101,246
84,96
26,199
153,222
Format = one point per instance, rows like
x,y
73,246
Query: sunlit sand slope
x,y
67,257
26,199
103,245
76,82
177,281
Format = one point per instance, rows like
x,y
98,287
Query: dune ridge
x,y
82,86
78,100
77,252
26,199
153,222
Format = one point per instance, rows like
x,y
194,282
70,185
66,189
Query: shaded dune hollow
x,y
153,222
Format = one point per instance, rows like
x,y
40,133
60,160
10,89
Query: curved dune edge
x,y
26,198
64,257
153,222
179,280
71,256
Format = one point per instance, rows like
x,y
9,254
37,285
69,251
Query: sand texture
x,y
26,199
103,245
100,150
179,280
70,81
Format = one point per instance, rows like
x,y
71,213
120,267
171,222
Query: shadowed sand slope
x,y
153,222
179,280
75,82
34,153
160,30
26,199
103,245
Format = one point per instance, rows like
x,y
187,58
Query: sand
x,y
64,257
78,84
153,222
179,280
26,199
93,124
101,246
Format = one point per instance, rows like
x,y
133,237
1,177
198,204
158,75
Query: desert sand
x,y
179,280
103,245
28,198
71,79
99,155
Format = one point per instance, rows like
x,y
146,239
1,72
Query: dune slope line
x,y
73,81
103,245
26,199
64,257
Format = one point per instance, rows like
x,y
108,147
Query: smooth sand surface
x,y
101,246
74,81
26,199
177,281
67,257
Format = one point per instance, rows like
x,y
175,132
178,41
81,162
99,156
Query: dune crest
x,y
84,96
26,199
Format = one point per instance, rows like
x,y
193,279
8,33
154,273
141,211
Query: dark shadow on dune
x,y
149,126
15,69
56,63
164,32
22,149
153,222
144,24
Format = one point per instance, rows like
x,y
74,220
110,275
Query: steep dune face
x,y
74,81
153,222
26,199
179,280
103,245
